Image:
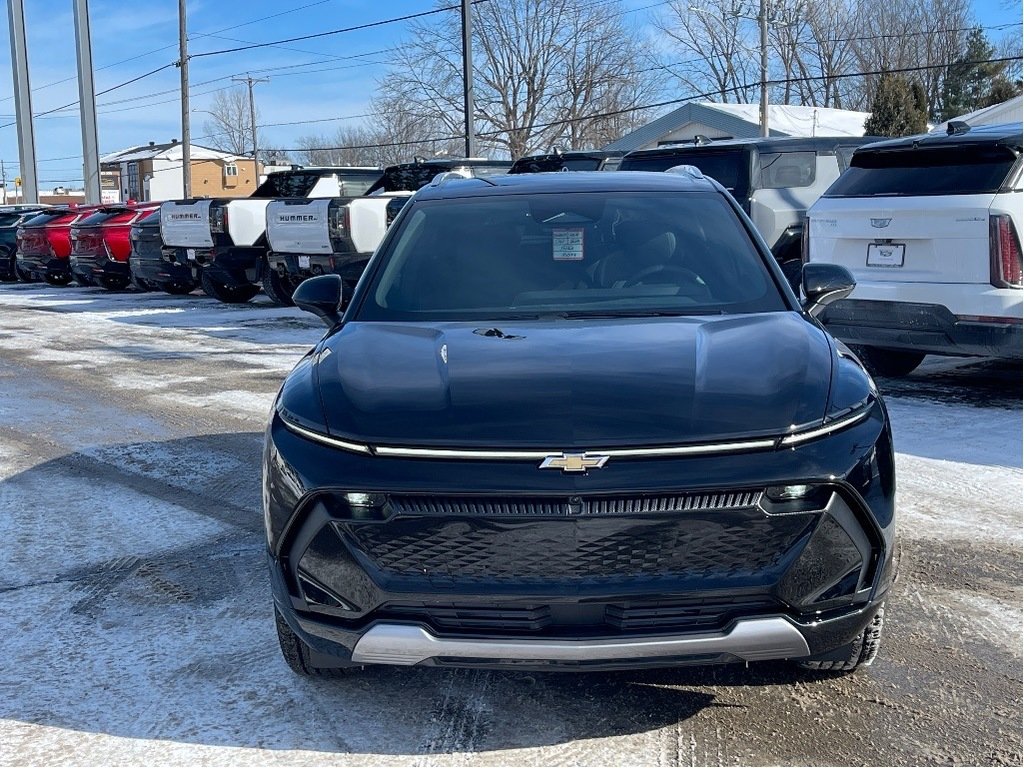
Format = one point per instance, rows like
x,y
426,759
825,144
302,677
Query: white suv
x,y
930,228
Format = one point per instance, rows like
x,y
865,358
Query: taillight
x,y
218,220
337,220
1005,265
805,241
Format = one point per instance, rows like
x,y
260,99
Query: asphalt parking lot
x,y
136,607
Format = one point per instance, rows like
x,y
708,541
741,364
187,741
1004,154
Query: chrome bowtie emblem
x,y
880,223
574,462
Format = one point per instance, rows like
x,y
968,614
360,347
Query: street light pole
x,y
762,18
87,105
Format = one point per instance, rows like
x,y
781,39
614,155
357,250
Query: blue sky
x,y
143,36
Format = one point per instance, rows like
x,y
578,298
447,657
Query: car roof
x,y
764,144
559,183
1005,134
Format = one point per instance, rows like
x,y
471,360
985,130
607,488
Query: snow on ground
x,y
136,605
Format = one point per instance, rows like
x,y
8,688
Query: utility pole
x,y
250,81
762,19
3,179
186,128
467,75
87,104
23,101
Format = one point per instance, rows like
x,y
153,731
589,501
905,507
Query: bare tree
x,y
541,66
229,127
717,46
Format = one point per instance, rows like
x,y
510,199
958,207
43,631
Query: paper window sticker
x,y
567,244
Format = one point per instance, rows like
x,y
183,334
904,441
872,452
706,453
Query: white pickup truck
x,y
314,237
224,240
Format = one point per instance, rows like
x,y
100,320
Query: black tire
x,y
890,362
140,284
862,651
227,293
298,656
177,289
115,283
25,276
278,287
8,267
59,279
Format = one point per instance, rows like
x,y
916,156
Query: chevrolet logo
x,y
574,462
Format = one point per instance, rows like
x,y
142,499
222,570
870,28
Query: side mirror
x,y
323,296
823,284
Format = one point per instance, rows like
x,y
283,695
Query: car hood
x,y
575,383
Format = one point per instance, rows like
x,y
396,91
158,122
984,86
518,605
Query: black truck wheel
x,y
299,657
860,653
227,293
279,287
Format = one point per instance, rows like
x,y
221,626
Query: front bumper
x,y
446,579
920,327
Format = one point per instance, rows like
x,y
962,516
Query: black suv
x,y
11,217
534,438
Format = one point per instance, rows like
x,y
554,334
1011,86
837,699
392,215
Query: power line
x,y
643,107
358,27
175,45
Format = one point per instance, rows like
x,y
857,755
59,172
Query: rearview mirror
x,y
823,284
323,296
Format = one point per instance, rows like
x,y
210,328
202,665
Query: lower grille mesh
x,y
727,545
570,506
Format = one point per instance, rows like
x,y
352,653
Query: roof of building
x,y
1010,111
168,151
743,121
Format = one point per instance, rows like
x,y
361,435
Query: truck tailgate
x,y
298,226
186,224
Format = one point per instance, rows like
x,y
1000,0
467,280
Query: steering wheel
x,y
667,269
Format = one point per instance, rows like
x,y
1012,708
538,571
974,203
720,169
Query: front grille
x,y
571,506
725,544
696,614
515,618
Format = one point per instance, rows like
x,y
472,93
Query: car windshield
x,y
551,164
287,184
730,168
569,255
953,170
409,178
